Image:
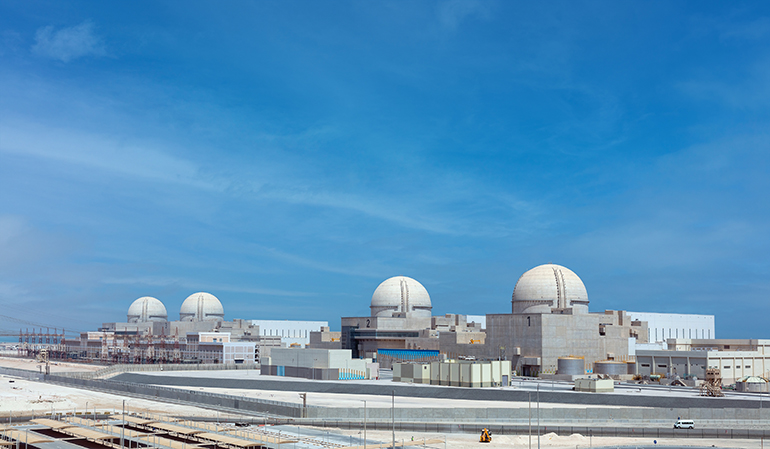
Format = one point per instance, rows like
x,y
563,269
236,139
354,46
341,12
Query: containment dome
x,y
401,294
201,306
147,309
548,287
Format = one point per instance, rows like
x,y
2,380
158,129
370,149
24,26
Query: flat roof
x,y
175,428
259,436
133,419
225,439
88,434
52,423
174,444
26,437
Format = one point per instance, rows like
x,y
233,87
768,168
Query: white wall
x,y
661,326
289,331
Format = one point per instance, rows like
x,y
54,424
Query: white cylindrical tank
x,y
572,366
752,384
610,367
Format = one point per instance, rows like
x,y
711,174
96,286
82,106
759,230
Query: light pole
x,y
123,426
538,416
393,414
364,424
529,414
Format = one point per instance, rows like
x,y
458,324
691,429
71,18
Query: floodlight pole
x,y
123,426
393,413
538,416
529,414
364,424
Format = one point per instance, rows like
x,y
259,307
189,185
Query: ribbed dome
x,y
201,306
549,286
146,309
401,294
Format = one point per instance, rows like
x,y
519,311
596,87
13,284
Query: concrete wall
x,y
647,409
595,336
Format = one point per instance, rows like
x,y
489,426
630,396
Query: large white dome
x,y
147,309
201,306
549,286
401,294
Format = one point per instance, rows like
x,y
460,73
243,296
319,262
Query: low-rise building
x,y
323,364
692,357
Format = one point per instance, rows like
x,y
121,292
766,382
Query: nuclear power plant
x,y
549,331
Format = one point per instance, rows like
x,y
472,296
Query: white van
x,y
684,424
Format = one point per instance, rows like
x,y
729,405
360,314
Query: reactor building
x,y
549,320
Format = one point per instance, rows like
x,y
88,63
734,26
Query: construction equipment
x,y
712,386
486,436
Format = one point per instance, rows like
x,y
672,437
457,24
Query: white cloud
x,y
67,44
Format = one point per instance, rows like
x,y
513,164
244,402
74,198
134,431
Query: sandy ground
x,y
550,440
19,396
56,367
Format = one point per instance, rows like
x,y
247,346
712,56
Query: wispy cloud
x,y
67,44
158,281
754,29
97,152
453,12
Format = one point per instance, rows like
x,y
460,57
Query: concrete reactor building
x,y
550,320
401,319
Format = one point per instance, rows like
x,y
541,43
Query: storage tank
x,y
752,384
573,366
610,367
631,367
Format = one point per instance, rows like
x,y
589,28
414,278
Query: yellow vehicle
x,y
486,436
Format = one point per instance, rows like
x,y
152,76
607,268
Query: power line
x,y
34,324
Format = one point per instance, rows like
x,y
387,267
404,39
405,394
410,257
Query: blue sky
x,y
289,156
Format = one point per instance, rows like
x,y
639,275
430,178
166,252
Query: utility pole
x,y
529,411
538,416
364,424
393,414
123,427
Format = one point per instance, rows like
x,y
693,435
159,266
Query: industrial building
x,y
549,329
401,319
290,332
549,319
455,373
662,326
688,358
321,364
200,335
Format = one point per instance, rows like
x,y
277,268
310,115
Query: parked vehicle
x,y
684,424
